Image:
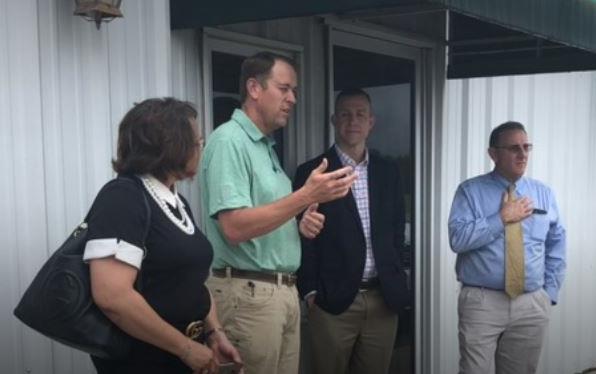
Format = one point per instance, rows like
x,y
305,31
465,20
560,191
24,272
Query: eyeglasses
x,y
516,148
200,143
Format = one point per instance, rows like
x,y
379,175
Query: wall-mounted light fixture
x,y
98,11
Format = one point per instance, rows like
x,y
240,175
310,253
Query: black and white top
x,y
176,263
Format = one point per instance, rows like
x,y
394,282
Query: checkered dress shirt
x,y
360,192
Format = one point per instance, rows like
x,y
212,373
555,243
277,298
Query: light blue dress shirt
x,y
477,235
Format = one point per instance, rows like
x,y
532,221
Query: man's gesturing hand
x,y
321,187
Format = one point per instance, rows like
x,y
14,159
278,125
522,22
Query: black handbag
x,y
59,304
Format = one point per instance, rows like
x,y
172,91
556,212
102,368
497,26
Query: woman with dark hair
x,y
165,309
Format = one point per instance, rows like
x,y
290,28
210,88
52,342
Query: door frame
x,y
428,57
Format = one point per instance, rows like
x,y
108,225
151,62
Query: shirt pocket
x,y
538,226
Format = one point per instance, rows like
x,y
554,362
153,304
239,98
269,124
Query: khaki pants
x,y
262,320
359,340
500,335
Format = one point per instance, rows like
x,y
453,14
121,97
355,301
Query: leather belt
x,y
369,284
483,287
289,279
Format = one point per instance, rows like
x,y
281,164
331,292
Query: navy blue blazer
x,y
332,264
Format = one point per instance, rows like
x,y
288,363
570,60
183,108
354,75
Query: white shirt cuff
x,y
121,250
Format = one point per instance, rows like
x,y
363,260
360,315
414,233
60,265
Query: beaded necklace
x,y
185,223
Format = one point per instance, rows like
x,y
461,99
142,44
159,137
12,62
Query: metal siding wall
x,y
65,86
186,85
452,169
559,111
22,203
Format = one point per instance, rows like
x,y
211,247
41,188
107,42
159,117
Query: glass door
x,y
388,72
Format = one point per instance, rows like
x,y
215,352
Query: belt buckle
x,y
194,330
290,279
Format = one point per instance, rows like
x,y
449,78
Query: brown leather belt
x,y
370,284
288,279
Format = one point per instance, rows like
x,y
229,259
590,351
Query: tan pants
x,y
359,340
262,320
500,335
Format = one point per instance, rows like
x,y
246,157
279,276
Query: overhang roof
x,y
570,22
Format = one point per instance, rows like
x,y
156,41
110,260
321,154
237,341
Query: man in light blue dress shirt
x,y
497,333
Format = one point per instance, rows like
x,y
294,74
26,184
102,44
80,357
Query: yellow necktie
x,y
514,255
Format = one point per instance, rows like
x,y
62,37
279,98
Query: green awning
x,y
196,13
570,22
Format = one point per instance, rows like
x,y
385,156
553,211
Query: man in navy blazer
x,y
351,274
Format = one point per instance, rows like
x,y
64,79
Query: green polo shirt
x,y
240,169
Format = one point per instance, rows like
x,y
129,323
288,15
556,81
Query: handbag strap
x,y
137,181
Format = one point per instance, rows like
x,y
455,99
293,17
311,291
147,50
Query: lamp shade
x,y
98,10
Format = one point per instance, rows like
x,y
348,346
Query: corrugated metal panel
x,y
23,221
65,87
186,85
559,110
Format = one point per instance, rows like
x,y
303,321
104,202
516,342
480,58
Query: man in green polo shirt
x,y
248,210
